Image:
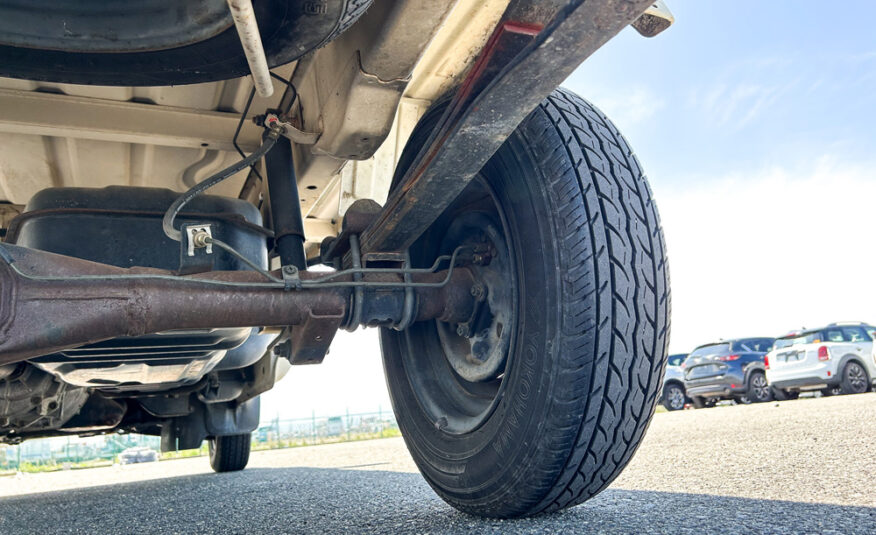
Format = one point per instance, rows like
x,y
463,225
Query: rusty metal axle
x,y
51,302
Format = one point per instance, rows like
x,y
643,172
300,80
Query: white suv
x,y
838,358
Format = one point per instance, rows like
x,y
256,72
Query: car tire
x,y
854,379
673,397
758,390
780,394
230,453
289,29
578,252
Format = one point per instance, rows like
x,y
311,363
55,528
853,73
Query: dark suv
x,y
730,369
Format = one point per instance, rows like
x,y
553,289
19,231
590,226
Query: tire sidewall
x,y
464,468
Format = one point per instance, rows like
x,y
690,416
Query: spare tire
x,y
157,42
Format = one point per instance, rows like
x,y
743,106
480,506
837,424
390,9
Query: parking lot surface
x,y
805,466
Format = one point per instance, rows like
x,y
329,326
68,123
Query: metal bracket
x,y
654,20
196,248
288,130
358,291
199,237
291,278
410,299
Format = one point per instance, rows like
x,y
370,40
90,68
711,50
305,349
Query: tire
x,y
784,395
578,277
673,397
353,9
189,54
759,390
854,379
702,403
230,453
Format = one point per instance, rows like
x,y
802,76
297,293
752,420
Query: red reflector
x,y
828,374
725,358
823,353
732,386
766,361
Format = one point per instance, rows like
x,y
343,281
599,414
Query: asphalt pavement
x,y
805,466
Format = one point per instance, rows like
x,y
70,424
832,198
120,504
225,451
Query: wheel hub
x,y
676,398
477,350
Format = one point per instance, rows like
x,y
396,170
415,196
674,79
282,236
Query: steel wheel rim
x,y
453,404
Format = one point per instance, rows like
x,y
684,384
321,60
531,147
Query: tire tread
x,y
231,452
609,204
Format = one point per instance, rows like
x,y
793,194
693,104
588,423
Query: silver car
x,y
673,396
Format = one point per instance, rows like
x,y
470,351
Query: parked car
x,y
673,396
834,359
730,369
138,455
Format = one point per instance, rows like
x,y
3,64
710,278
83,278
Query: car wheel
x,y
784,395
854,379
759,390
542,403
230,453
673,397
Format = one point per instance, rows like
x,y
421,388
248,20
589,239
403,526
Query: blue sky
x,y
741,86
755,124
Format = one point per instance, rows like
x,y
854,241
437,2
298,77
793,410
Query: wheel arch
x,y
676,382
753,367
850,357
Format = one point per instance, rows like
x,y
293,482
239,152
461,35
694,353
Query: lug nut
x,y
478,291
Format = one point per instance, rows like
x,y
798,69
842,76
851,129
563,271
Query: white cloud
x,y
760,255
736,106
629,107
748,256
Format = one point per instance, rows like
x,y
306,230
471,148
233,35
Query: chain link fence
x,y
62,453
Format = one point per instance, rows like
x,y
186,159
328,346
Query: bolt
x,y
477,259
478,291
462,329
199,239
283,350
290,270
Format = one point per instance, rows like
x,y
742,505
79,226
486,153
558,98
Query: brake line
x,y
200,187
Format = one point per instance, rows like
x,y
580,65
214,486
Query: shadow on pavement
x,y
312,500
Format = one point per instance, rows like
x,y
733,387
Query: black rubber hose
x,y
200,187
